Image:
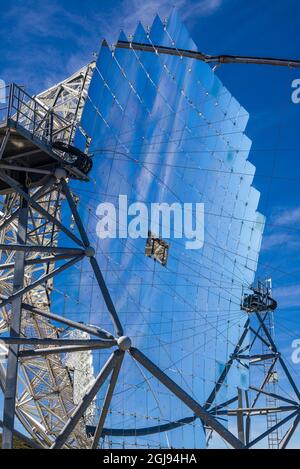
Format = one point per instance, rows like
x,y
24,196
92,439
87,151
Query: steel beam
x,y
272,429
107,401
107,298
75,213
257,358
61,342
18,413
11,381
217,408
248,420
95,266
258,336
47,183
125,432
226,370
240,417
289,377
26,153
4,143
205,416
44,249
14,185
275,396
258,410
218,59
42,260
86,401
43,352
282,363
266,379
25,169
28,441
93,330
289,434
42,279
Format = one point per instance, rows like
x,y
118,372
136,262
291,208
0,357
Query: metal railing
x,y
20,109
4,95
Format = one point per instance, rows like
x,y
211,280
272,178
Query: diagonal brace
x,y
42,279
227,368
288,436
86,401
107,401
4,177
205,416
272,429
282,362
92,330
95,266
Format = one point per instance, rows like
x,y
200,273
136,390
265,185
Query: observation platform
x,y
35,140
259,301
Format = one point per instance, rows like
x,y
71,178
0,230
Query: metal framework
x,y
67,99
213,59
262,399
46,394
36,383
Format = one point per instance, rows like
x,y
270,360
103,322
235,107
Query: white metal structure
x,y
46,391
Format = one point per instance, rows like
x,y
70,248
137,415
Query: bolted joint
x,y
89,251
124,343
60,173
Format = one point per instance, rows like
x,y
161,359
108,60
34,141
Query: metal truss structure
x,y
67,98
46,396
35,379
263,398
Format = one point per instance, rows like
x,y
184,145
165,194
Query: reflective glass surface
x,y
164,129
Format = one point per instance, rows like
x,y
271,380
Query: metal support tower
x,y
272,379
24,122
15,328
263,399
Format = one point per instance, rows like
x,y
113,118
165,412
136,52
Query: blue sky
x,y
43,42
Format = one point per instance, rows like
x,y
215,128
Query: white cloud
x,y
273,240
284,225
287,296
288,217
130,12
39,34
36,36
47,42
202,8
276,240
